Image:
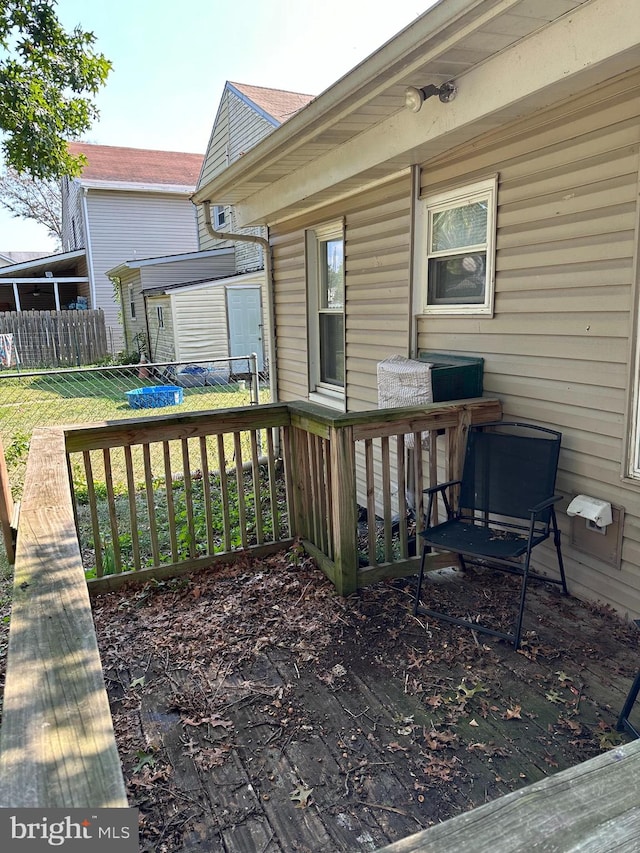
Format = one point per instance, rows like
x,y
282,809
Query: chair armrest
x,y
440,487
535,510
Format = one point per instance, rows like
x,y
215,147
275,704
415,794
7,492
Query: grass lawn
x,y
88,397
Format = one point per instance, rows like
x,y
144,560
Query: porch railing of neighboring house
x,y
56,338
57,746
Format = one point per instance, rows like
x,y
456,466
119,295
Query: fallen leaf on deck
x,y
513,713
301,796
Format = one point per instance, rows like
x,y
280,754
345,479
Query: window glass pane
x,y
460,278
458,227
332,349
332,274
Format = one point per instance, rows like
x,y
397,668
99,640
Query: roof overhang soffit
x,y
597,41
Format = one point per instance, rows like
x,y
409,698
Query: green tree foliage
x,y
47,80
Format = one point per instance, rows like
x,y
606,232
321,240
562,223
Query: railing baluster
x,y
386,500
370,486
113,516
402,496
93,507
257,492
206,493
188,496
242,509
224,494
273,495
151,506
133,508
171,510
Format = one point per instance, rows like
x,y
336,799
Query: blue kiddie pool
x,y
155,397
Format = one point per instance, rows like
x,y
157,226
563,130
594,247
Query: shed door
x,y
244,312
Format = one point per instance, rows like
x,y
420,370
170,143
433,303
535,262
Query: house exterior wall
x,y
377,261
237,128
130,225
557,349
73,233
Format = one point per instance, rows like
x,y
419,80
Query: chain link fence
x,y
30,399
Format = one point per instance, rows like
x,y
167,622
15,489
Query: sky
x,y
171,60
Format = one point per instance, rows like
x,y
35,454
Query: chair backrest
x,y
508,468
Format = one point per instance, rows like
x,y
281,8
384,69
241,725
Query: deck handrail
x,y
57,746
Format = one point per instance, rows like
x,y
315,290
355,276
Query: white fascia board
x,y
131,186
597,41
439,27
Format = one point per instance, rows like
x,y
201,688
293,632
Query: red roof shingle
x,y
280,104
138,165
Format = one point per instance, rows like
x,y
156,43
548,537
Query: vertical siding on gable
x,y
131,226
557,349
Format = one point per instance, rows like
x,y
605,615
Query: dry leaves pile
x,y
253,691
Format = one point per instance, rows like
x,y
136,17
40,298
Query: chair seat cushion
x,y
478,540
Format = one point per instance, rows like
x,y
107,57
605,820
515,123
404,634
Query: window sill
x,y
333,400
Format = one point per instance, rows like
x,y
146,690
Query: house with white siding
x,y
472,188
128,203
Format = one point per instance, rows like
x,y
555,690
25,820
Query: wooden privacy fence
x,y
56,338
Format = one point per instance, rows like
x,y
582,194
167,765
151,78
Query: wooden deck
x,y
257,711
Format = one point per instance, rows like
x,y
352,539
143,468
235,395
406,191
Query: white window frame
x,y
322,392
633,459
458,197
219,216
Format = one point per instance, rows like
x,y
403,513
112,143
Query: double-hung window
x,y
325,274
460,249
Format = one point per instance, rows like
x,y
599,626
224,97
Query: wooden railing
x,y
57,746
357,490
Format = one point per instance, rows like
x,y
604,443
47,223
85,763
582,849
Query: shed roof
x,y
121,165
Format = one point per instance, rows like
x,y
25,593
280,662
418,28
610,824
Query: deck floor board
x,y
272,716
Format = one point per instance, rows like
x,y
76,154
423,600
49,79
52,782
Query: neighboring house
x,y
52,283
8,258
127,203
501,224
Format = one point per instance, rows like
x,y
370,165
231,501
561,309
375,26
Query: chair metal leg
x,y
623,723
556,542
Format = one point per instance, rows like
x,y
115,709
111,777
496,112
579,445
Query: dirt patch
x,y
256,710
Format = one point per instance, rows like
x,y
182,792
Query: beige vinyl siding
x,y
237,128
290,312
132,226
162,338
557,349
377,257
200,323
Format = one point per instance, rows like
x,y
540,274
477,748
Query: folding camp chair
x,y
624,724
504,508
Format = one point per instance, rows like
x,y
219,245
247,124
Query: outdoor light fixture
x,y
414,98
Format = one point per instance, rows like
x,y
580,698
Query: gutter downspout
x,y
268,274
